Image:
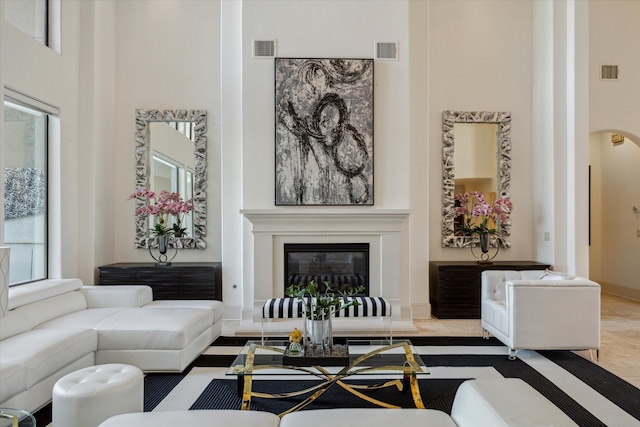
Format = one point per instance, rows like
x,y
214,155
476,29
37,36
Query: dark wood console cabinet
x,y
180,280
454,286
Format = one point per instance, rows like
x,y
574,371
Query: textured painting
x,y
324,131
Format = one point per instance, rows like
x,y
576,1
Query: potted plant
x,y
479,217
163,207
320,306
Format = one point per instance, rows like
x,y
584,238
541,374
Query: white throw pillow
x,y
553,275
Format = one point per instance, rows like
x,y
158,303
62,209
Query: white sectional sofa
x,y
503,402
53,327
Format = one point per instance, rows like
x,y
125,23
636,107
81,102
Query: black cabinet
x,y
180,280
454,286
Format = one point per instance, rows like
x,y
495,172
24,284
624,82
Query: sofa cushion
x,y
88,318
13,324
508,402
117,296
42,311
13,378
42,289
45,351
348,417
211,418
499,293
150,329
217,307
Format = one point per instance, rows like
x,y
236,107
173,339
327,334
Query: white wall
x,y
480,59
614,39
167,57
326,29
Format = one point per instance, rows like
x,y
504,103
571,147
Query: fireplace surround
x,y
385,230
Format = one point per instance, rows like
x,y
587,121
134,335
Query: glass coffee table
x,y
16,418
365,358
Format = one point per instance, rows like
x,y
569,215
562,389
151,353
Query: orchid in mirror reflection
x,y
475,216
164,206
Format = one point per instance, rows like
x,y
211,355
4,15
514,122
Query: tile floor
x,y
620,335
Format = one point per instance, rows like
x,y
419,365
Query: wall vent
x,y
264,48
386,51
609,72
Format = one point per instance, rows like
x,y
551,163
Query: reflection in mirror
x,y
171,155
173,162
476,157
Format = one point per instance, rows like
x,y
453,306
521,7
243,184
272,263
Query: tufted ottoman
x,y
87,397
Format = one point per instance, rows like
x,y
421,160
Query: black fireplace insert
x,y
342,265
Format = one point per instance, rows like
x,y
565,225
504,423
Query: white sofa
x,y
503,402
53,327
540,310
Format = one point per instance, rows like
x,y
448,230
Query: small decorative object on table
x,y
319,307
480,220
295,348
163,207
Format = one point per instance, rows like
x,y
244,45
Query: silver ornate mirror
x,y
179,163
500,153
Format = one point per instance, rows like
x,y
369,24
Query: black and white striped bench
x,y
292,308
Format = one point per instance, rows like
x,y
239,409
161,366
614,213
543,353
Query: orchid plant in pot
x,y
169,210
320,306
479,218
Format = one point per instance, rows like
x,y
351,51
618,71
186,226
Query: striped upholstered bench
x,y
292,308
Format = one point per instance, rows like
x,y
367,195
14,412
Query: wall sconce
x,y
636,209
616,138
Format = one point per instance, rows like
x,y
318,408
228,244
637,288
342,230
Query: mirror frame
x,y
142,170
503,154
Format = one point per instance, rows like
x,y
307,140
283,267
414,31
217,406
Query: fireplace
x,y
343,265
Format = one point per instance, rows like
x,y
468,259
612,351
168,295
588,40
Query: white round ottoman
x,y
87,397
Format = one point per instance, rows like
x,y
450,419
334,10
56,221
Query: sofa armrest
x,y
117,296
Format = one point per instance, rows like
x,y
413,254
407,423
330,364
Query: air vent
x,y
387,51
609,72
264,48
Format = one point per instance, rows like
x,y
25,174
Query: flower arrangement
x,y
164,206
322,305
480,216
295,335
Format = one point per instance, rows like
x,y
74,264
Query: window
x,y
29,16
25,189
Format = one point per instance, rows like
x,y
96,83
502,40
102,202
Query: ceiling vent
x,y
387,51
609,72
264,48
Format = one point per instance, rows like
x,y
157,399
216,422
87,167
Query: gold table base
x,y
410,369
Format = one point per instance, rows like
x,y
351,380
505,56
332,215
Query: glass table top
x,y
376,358
16,418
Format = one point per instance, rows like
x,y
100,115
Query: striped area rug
x,y
588,394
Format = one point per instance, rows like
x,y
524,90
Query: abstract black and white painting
x,y
324,131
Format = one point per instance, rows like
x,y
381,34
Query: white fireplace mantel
x,y
384,229
322,220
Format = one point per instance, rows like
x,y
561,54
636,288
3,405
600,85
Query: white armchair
x,y
541,310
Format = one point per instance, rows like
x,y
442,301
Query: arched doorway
x,y
614,249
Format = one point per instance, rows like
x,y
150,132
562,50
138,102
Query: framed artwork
x,y
324,131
